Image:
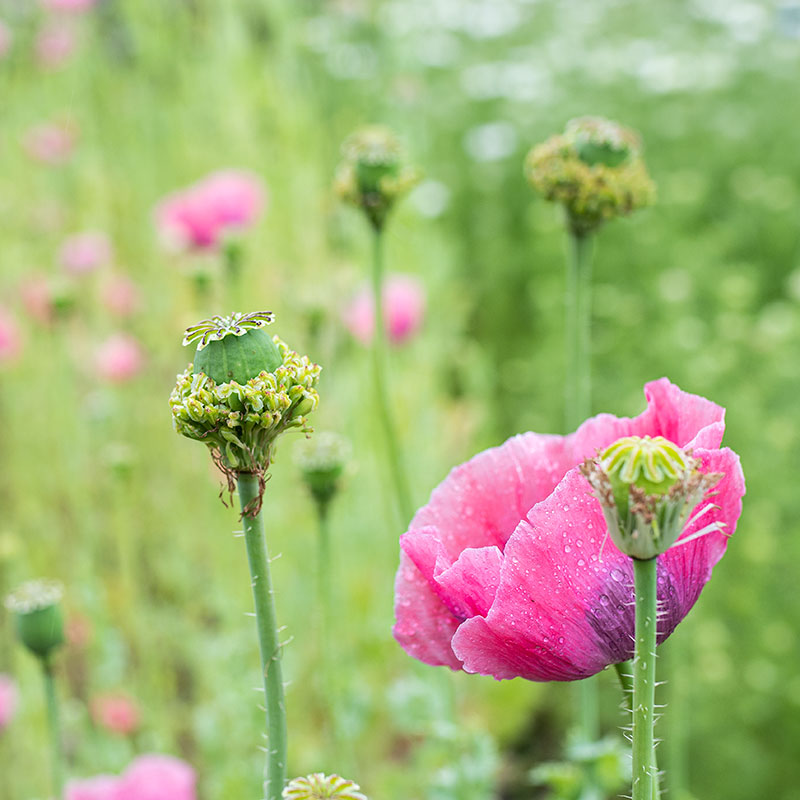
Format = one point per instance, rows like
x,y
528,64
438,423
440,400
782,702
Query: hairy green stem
x,y
644,678
54,725
269,644
381,393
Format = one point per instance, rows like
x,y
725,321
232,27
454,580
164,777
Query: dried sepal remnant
x,y
594,169
240,422
217,327
373,175
322,787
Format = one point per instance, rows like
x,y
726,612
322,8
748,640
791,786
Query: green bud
x,y
36,609
322,461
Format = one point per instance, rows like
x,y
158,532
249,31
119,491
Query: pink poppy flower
x,y
100,787
157,777
115,712
508,571
5,39
8,700
119,358
121,296
50,143
10,337
55,45
85,252
403,310
200,216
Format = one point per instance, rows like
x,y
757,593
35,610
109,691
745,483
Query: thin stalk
x,y
54,726
381,393
578,329
577,407
269,644
644,678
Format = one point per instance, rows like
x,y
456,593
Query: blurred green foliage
x,y
97,490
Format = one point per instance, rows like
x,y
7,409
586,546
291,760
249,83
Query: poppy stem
x,y
577,406
54,725
578,399
381,393
269,644
644,678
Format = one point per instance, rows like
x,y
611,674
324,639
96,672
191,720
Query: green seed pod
x,y
239,398
36,609
647,488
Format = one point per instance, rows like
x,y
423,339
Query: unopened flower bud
x,y
243,390
594,169
322,787
322,461
647,488
373,175
36,610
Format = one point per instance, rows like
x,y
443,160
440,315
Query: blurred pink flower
x,y
8,700
55,45
37,298
508,571
157,777
121,296
101,787
199,216
69,6
85,252
115,712
50,142
119,358
10,337
6,39
403,310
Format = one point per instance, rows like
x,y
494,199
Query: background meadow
x,y
146,97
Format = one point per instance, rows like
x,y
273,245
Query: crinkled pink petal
x,y
424,624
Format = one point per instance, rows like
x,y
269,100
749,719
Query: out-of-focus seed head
x,y
322,461
594,169
38,618
373,174
322,787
